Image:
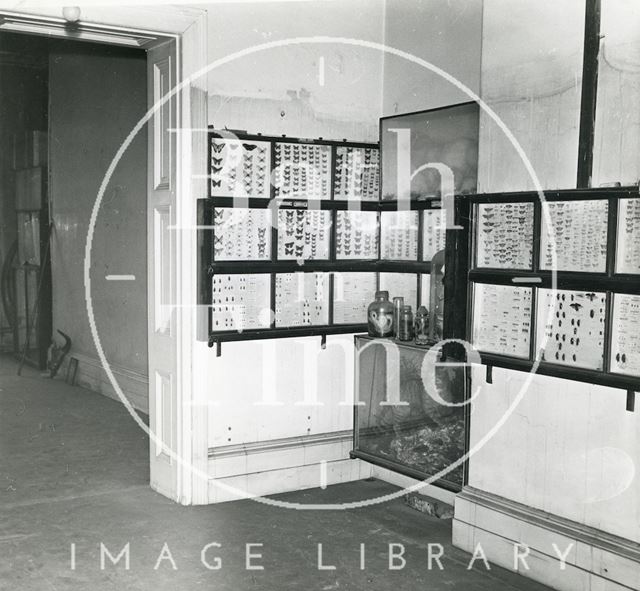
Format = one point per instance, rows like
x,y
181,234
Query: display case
x,y
428,146
555,284
307,257
410,411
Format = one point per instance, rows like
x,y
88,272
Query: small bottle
x,y
421,326
406,324
380,316
398,304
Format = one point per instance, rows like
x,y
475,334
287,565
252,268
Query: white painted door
x,y
164,378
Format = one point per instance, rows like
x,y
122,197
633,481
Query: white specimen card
x,y
356,235
399,235
240,168
504,235
628,249
303,234
625,335
434,232
571,327
357,173
302,171
502,319
403,285
302,299
352,294
576,231
241,234
240,302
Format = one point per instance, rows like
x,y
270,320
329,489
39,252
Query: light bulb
x,y
71,13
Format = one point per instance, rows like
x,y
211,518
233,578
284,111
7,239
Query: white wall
x,y
569,448
531,77
252,93
445,33
617,137
279,92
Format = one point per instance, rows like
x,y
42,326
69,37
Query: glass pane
x,y
576,232
505,236
424,431
302,299
302,171
570,327
399,235
425,291
241,302
352,294
241,234
628,254
625,335
303,234
617,134
502,319
532,79
240,168
404,285
431,153
357,235
357,173
28,238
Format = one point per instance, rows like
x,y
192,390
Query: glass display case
x,y
411,413
555,284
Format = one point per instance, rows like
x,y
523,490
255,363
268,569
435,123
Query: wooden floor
x,y
74,471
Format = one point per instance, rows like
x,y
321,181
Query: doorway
x,y
70,106
175,41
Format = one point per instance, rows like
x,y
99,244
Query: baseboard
x,y
596,560
91,375
282,465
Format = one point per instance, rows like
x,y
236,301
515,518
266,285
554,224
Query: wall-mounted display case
x,y
558,293
305,259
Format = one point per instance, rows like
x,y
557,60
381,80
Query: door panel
x,y
161,208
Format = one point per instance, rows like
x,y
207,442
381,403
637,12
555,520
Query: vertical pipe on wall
x,y
589,92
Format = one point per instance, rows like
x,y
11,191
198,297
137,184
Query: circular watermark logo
x,y
428,375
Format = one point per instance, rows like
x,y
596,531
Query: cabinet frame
x,y
208,266
608,282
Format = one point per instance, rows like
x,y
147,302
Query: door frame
x,y
129,27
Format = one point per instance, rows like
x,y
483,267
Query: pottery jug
x,y
380,316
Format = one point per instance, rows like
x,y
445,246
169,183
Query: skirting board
x,y
92,376
282,465
595,560
280,480
295,463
